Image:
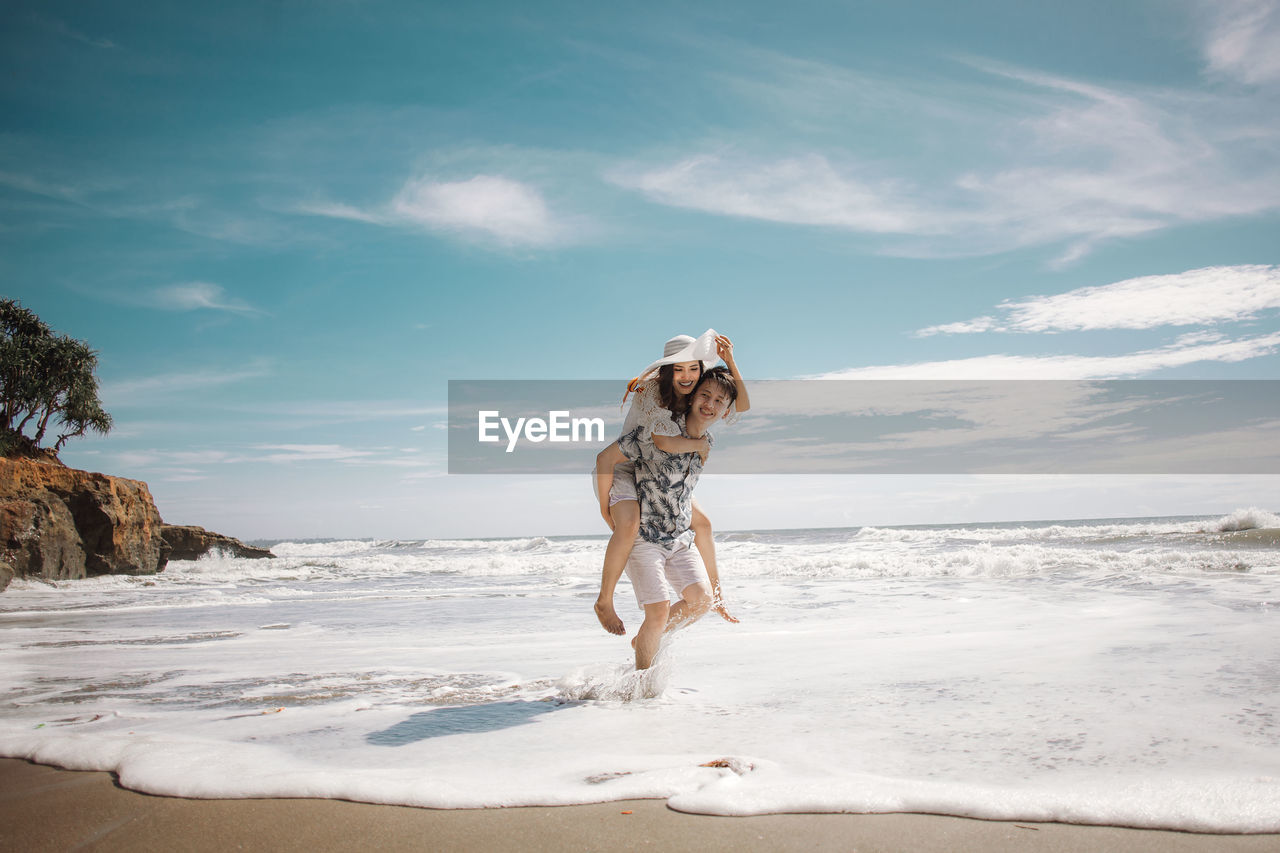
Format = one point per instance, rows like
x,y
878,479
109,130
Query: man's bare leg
x,y
626,524
649,636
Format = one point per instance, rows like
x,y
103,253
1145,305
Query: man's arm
x,y
605,460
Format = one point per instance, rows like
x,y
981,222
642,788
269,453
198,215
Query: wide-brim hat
x,y
684,348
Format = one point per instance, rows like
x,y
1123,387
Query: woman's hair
x,y
722,377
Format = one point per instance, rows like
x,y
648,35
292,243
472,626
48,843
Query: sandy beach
x,y
49,809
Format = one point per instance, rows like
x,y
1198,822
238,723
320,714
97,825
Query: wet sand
x,y
48,809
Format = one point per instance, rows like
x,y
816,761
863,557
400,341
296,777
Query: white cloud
x,y
1244,39
486,207
507,210
1189,349
196,295
1194,297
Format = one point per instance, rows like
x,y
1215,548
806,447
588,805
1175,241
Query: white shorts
x,y
650,563
624,483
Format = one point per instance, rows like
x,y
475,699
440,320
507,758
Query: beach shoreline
x,y
51,809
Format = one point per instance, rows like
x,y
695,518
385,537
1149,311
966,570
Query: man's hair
x,y
722,377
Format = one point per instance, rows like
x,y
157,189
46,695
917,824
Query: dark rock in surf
x,y
188,542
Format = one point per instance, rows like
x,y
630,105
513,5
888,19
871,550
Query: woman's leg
x,y
706,545
695,600
626,525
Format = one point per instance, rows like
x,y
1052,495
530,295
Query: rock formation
x,y
188,542
60,523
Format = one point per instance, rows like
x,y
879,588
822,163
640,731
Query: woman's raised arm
x,y
724,349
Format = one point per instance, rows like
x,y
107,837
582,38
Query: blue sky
x,y
286,226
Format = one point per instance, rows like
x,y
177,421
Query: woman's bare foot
x,y
609,618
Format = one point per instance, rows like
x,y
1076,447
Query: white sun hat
x,y
684,348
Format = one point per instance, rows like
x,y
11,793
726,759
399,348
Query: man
x,y
664,547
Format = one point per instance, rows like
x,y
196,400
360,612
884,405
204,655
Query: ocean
x,y
1120,671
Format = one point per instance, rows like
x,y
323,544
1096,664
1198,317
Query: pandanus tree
x,y
47,382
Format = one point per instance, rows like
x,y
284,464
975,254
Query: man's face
x,y
710,402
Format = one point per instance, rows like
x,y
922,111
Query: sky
x,y
285,227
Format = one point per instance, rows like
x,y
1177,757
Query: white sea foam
x,y
323,549
1117,672
1247,519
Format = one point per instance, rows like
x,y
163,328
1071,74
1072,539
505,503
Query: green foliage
x,y
45,380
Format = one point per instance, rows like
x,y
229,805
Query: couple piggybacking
x,y
645,483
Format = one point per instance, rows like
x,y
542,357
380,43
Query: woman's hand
x,y
704,449
724,349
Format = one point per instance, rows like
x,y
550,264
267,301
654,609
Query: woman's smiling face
x,y
684,376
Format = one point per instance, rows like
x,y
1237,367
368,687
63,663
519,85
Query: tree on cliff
x,y
45,379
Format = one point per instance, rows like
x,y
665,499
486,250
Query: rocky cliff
x,y
61,523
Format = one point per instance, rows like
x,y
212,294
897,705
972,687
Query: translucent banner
x,y
895,427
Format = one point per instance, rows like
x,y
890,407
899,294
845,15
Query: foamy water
x,y
1121,672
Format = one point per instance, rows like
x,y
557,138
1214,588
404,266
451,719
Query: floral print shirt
x,y
664,486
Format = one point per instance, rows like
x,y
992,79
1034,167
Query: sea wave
x,y
1246,519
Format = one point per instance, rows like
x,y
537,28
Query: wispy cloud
x,y
62,29
126,198
804,190
198,464
198,295
1196,297
313,412
41,187
310,453
1189,349
1244,39
168,384
1039,160
490,208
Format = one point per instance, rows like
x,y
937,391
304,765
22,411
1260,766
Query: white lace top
x,y
647,411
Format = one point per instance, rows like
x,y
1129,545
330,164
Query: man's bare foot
x,y
609,618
